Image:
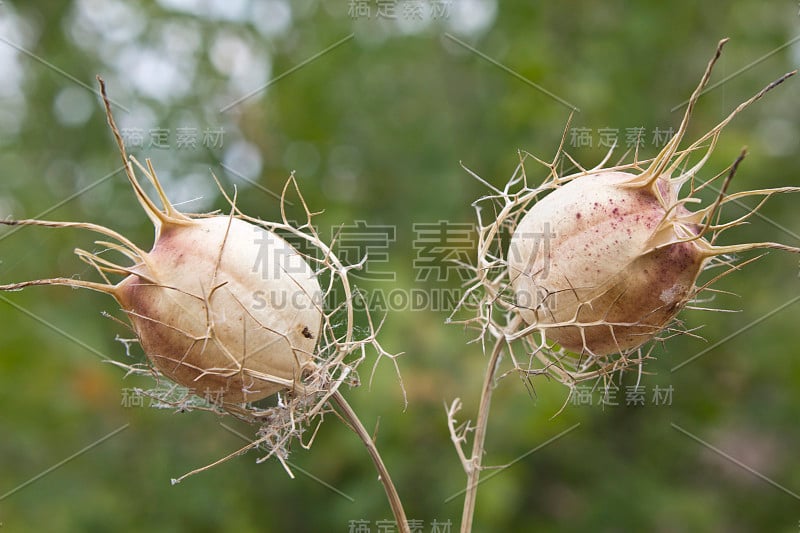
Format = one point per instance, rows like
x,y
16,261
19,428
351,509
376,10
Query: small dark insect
x,y
307,334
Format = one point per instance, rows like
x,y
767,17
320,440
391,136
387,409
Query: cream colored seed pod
x,y
604,262
596,251
221,306
225,308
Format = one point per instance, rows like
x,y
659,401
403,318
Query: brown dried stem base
x,y
383,474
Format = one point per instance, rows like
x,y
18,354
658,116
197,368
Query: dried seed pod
x,y
211,321
220,305
614,257
604,262
619,263
580,271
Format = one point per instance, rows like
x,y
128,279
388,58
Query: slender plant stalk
x,y
475,462
383,474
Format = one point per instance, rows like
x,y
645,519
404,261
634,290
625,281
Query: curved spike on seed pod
x,y
127,243
170,214
68,282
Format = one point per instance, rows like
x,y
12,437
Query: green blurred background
x,y
375,129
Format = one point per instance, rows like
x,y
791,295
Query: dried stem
x,y
383,474
474,465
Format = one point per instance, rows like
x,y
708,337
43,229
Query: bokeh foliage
x,y
375,130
